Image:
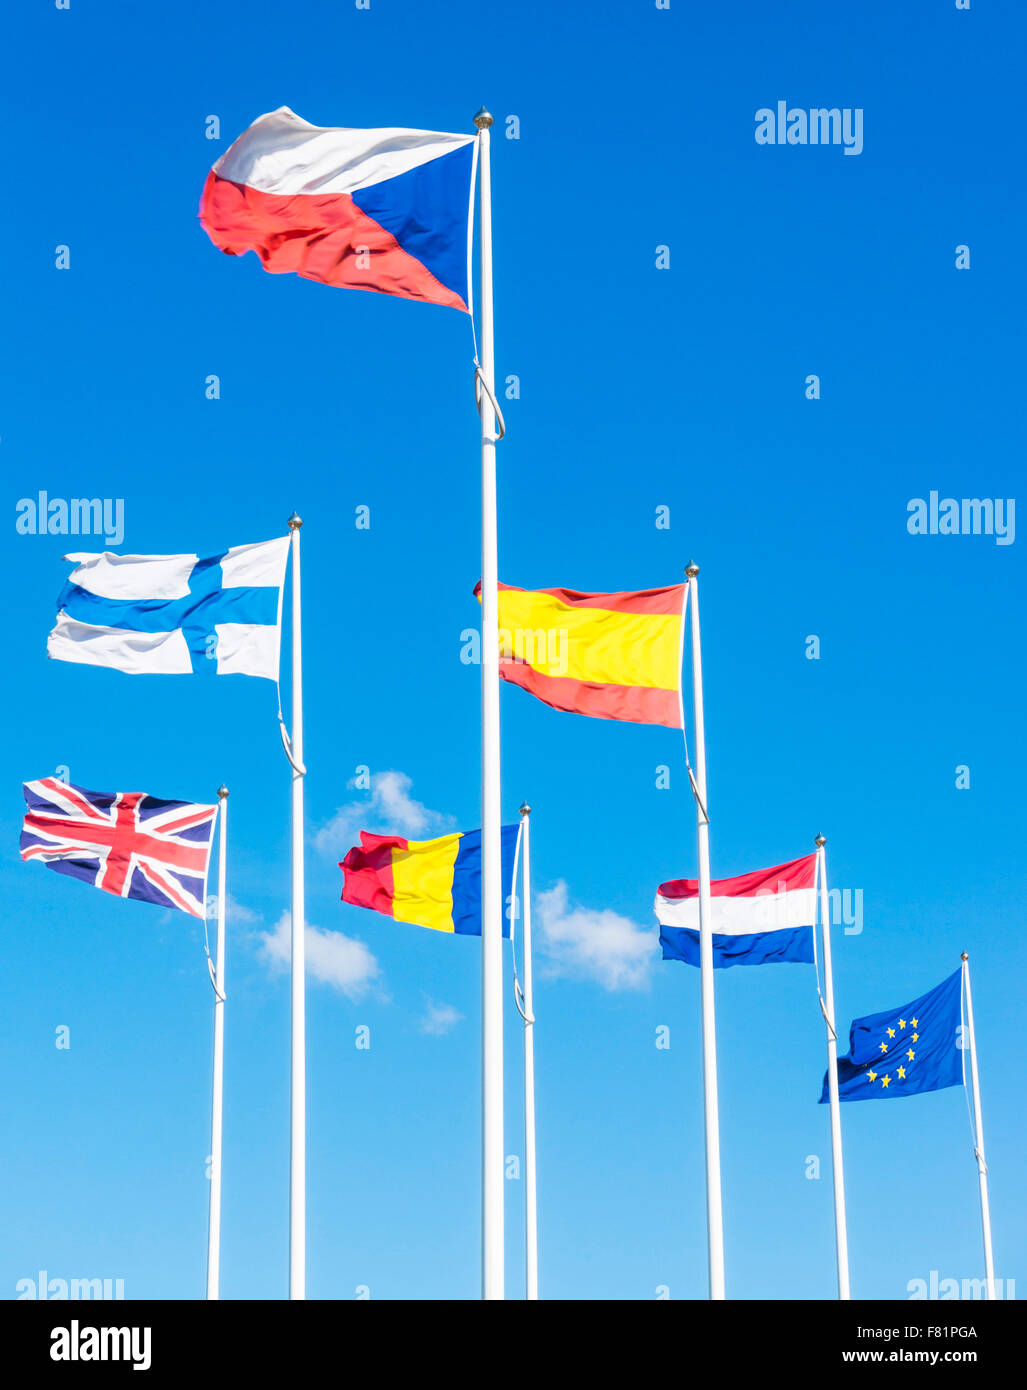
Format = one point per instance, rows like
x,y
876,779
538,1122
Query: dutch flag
x,y
757,918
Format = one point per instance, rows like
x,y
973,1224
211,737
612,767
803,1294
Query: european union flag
x,y
902,1052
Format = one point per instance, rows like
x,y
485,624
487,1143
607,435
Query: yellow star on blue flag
x,y
927,1057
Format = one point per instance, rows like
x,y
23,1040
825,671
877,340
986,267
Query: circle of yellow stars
x,y
906,1034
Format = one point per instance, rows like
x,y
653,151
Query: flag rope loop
x,y
480,384
823,1009
695,790
213,980
518,992
210,964
519,999
298,768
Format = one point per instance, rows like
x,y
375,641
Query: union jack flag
x,y
126,843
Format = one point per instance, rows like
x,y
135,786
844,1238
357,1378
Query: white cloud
x,y
341,961
439,1018
392,801
237,913
593,943
389,809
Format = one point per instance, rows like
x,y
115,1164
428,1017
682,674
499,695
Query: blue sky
x,y
640,388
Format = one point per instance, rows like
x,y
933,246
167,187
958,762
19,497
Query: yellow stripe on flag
x,y
590,644
422,882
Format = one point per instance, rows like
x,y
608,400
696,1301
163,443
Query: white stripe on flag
x,y
257,566
137,653
284,154
742,916
248,649
132,576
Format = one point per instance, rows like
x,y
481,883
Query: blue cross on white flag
x,y
174,614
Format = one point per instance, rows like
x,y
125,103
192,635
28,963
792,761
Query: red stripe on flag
x,y
638,704
669,600
54,784
120,837
783,878
317,237
166,885
367,872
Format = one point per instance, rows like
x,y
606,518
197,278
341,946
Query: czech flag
x,y
428,883
613,656
757,918
387,210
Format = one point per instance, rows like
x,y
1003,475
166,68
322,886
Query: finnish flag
x,y
174,614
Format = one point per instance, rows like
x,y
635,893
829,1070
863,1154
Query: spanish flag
x,y
428,883
613,656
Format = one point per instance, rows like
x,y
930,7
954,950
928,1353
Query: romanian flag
x,y
613,656
429,883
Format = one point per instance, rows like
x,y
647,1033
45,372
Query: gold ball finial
x,y
965,956
820,842
295,521
691,569
525,809
483,118
222,792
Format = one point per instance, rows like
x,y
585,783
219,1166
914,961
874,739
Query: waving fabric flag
x,y
757,918
386,210
127,843
428,883
174,614
612,656
902,1052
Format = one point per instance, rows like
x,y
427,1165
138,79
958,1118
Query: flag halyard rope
x,y
480,385
210,964
982,1166
824,926
514,900
298,768
681,705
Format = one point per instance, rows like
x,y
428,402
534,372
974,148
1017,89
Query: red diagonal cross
x,y
120,834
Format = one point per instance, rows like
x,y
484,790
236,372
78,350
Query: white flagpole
x,y
298,1150
530,1193
714,1213
214,1223
841,1235
493,1255
982,1167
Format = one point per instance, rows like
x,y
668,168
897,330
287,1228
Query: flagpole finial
x,y
483,118
965,955
691,569
222,792
525,809
295,521
820,842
